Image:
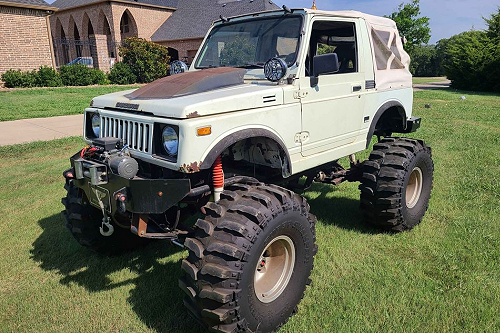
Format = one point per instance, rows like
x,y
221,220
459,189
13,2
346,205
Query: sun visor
x,y
188,83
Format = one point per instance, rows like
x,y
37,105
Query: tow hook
x,y
109,226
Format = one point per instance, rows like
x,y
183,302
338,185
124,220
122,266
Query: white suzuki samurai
x,y
269,105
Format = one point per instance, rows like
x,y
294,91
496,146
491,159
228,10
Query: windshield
x,y
250,44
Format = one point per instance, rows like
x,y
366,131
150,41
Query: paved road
x,y
40,129
432,85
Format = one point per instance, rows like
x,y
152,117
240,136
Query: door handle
x,y
356,88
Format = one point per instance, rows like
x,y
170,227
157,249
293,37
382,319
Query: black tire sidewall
x,y
265,316
412,216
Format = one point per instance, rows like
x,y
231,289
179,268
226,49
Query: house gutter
x,y
130,3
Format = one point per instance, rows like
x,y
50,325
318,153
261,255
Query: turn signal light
x,y
204,131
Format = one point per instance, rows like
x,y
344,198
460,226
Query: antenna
x,y
314,5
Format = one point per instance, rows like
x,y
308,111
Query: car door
x,y
332,109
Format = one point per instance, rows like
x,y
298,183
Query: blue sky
x,y
447,17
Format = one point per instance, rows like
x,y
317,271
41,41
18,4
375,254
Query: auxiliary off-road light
x,y
275,69
170,140
96,125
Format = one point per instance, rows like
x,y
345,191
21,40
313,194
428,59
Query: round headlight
x,y
170,140
96,125
177,67
275,69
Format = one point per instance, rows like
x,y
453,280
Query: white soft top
x,y
391,61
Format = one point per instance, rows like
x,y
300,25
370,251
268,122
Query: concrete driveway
x,y
40,129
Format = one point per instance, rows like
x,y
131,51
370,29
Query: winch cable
x,y
106,220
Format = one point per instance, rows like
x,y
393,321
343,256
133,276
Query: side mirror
x,y
325,64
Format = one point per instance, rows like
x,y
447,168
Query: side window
x,y
334,37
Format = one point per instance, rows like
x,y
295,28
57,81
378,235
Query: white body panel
x,y
331,119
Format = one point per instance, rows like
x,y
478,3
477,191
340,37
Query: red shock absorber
x,y
218,178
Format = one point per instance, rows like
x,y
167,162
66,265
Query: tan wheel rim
x,y
274,269
414,187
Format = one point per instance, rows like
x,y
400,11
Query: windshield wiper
x,y
252,65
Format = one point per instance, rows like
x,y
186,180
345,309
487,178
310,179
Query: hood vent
x,y
269,99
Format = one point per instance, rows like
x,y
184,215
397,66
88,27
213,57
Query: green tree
x,y
147,60
426,61
493,25
470,59
411,25
238,52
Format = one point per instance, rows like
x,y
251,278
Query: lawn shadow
x,y
342,212
155,296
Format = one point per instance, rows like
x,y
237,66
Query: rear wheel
x,y
249,259
397,183
83,221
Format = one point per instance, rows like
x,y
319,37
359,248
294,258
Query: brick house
x,y
185,29
34,33
95,28
25,41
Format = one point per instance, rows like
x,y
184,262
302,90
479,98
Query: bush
x,y
147,60
121,73
17,79
469,58
48,77
472,58
81,75
426,60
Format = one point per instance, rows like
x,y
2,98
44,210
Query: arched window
x,y
78,45
125,24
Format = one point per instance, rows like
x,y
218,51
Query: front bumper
x,y
143,196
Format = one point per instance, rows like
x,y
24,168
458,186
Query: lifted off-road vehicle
x,y
269,105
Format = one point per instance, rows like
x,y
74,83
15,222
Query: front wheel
x,y
250,259
397,183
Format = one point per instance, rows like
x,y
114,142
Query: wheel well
x,y
252,150
390,117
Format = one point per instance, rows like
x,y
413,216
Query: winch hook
x,y
109,226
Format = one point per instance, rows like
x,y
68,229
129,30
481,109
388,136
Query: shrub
x,y
121,73
48,77
81,75
147,60
469,55
17,79
472,58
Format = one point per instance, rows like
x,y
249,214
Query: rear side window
x,y
386,57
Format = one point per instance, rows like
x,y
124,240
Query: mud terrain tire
x,y
397,183
83,221
227,247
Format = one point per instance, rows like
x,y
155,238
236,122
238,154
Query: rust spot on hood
x,y
193,115
191,167
190,82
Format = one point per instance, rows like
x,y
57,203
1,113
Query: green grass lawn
x,y
41,103
421,80
444,276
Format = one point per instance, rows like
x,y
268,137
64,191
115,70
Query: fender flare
x,y
238,136
386,106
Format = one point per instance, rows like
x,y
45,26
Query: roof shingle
x,y
193,18
29,2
